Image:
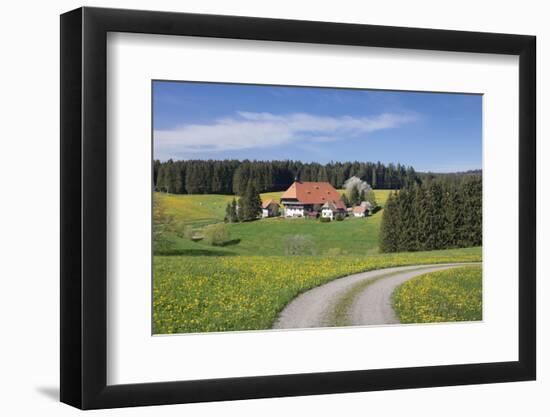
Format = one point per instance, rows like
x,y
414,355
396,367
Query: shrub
x,y
216,234
296,245
324,219
339,217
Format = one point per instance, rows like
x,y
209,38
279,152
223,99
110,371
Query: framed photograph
x,y
259,208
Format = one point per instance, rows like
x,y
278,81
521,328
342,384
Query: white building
x,y
270,208
330,210
307,199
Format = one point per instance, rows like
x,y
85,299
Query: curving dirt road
x,y
359,299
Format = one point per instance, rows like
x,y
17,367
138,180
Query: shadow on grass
x,y
231,242
194,252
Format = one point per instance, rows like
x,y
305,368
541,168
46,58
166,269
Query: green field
x,y
223,293
442,296
353,236
197,209
244,284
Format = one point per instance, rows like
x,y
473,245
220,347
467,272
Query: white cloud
x,y
248,130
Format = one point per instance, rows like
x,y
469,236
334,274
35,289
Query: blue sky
x,y
429,131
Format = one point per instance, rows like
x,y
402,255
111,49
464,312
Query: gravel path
x,y
359,299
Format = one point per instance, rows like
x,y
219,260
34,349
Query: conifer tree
x,y
170,178
354,196
251,204
345,200
231,215
161,178
406,222
472,207
422,216
179,178
227,217
388,227
371,198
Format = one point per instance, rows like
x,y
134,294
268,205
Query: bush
x,y
296,245
324,219
339,217
216,234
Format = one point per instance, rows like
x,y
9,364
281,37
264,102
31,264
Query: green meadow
x,y
244,284
353,236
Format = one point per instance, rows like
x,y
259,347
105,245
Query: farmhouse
x,y
270,208
308,198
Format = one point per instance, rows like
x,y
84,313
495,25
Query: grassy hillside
x,y
212,294
197,210
353,236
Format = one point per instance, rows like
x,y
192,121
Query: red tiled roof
x,y
269,202
313,193
359,209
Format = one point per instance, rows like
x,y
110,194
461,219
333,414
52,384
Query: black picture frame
x,y
84,207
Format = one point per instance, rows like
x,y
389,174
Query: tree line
x,y
233,176
438,214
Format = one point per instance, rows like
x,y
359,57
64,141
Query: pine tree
x,y
345,200
407,222
233,217
240,211
422,217
388,227
179,178
227,217
354,196
161,178
170,178
156,166
436,225
250,205
371,198
472,206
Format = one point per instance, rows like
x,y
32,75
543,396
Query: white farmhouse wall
x,y
294,212
328,213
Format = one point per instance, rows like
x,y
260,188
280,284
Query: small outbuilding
x,y
331,209
360,211
270,208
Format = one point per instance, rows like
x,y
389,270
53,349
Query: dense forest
x,y
426,177
445,212
233,176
